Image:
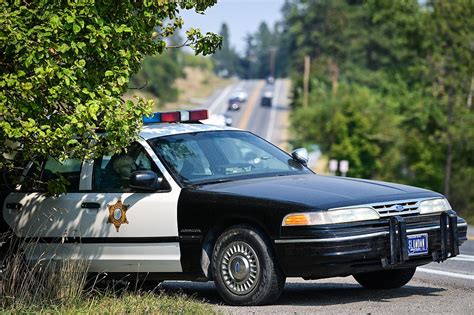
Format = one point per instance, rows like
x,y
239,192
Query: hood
x,y
318,192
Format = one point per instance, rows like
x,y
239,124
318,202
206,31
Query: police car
x,y
192,201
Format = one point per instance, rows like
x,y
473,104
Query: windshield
x,y
218,156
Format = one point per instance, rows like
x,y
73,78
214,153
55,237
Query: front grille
x,y
405,207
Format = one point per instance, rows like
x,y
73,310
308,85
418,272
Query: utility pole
x,y
307,64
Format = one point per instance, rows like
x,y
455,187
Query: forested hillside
x,y
390,89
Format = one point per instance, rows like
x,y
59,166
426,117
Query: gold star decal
x,y
117,214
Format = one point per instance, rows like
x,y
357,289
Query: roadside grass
x,y
124,303
54,285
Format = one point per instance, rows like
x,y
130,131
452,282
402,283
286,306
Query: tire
x,y
385,279
244,268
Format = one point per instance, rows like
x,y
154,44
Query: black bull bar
x,y
399,244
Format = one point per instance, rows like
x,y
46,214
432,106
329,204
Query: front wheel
x,y
244,269
385,279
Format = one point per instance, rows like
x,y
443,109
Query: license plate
x,y
417,244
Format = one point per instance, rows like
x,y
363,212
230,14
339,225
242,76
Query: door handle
x,y
90,205
14,206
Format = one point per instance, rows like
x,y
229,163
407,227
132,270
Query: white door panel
x,y
148,214
42,216
130,257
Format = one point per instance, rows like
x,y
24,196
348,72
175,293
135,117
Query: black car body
x,y
329,250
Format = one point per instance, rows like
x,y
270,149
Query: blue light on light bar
x,y
154,118
177,116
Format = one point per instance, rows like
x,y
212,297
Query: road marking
x,y
271,125
462,257
446,273
471,238
249,107
213,107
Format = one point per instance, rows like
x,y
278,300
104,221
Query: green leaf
x,y
76,28
27,86
109,73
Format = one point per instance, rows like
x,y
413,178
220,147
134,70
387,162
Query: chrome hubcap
x,y
240,268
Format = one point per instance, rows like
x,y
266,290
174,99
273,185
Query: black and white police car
x,y
192,201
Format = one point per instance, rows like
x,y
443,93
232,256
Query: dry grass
x,y
193,90
197,86
47,281
59,286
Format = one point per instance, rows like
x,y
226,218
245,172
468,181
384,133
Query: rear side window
x,y
69,169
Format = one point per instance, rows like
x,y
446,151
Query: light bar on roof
x,y
177,116
198,114
154,118
170,117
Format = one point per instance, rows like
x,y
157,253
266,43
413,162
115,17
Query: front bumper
x,y
344,249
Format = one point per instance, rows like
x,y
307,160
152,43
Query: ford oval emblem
x,y
399,208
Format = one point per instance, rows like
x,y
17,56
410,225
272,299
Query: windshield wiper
x,y
216,181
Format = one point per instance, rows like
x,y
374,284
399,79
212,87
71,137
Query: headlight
x,y
330,217
434,205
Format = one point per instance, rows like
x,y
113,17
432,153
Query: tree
x,y
226,59
65,66
402,111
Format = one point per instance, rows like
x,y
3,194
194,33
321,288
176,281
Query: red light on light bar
x,y
198,114
170,117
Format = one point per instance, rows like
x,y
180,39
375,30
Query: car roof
x,y
166,129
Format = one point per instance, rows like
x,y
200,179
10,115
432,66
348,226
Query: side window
x,y
112,172
69,169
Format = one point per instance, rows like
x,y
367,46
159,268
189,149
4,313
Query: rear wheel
x,y
244,269
385,279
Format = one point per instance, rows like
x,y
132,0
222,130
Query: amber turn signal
x,y
296,219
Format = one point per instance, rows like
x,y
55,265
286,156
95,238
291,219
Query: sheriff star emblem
x,y
117,214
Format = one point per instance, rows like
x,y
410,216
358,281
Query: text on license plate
x,y
417,244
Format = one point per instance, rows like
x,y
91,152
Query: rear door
x,y
46,220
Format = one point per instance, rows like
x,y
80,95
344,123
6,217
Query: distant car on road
x,y
267,99
270,80
239,95
234,103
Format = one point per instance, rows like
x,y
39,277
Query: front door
x,y
124,230
101,218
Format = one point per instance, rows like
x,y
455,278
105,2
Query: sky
x,y
242,17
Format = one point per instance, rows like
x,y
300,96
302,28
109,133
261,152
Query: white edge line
x,y
271,125
446,273
213,107
462,259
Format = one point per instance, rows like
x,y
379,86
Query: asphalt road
x,y
263,121
445,293
438,288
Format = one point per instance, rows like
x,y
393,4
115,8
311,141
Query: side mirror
x,y
301,155
146,180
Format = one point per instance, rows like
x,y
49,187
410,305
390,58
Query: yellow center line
x,y
252,101
471,238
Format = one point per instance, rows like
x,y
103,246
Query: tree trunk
x,y
334,73
469,96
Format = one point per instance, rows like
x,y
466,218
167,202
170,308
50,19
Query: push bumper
x,y
320,252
